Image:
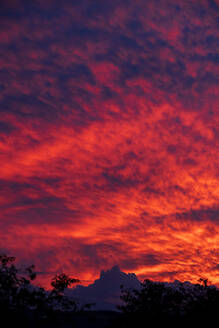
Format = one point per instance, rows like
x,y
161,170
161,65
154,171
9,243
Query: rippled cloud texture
x,y
109,136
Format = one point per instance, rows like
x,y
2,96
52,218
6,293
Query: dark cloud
x,y
149,260
215,268
210,214
27,106
105,291
6,128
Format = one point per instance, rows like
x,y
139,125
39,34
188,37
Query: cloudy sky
x,y
109,137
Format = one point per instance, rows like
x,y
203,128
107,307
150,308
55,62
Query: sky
x,y
109,135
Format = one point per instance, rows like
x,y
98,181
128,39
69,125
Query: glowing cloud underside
x,y
109,137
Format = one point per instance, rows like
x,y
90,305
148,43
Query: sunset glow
x,y
109,137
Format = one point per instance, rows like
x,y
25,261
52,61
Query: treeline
x,y
176,304
154,304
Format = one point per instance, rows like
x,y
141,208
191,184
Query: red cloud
x,y
109,138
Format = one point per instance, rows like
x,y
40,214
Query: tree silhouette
x,y
14,283
57,298
20,300
62,281
204,281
